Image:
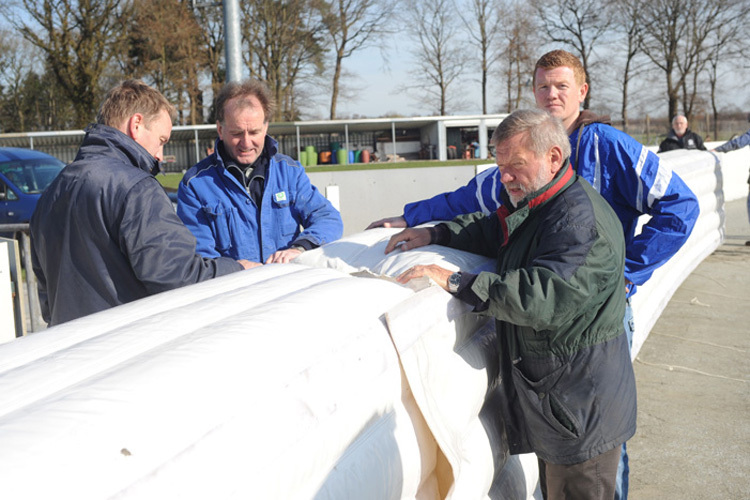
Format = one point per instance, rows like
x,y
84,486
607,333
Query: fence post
x,y
31,291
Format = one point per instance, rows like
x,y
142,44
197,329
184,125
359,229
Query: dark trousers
x,y
593,479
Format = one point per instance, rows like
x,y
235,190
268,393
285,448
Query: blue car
x,y
24,174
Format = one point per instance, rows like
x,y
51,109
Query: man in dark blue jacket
x,y
247,200
104,232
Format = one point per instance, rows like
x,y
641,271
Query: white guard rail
x,y
285,381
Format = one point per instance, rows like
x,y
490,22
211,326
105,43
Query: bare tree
x,y
15,63
78,38
284,43
352,25
627,22
439,58
517,51
676,39
725,47
482,22
210,18
579,24
166,47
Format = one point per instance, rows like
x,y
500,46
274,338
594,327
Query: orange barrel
x,y
365,156
325,157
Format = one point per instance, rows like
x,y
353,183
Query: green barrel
x,y
342,155
312,156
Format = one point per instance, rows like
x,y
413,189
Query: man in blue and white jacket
x,y
631,178
248,200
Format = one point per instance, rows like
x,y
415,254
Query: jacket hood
x,y
108,141
587,117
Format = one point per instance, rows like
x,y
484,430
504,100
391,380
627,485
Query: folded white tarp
x,y
278,382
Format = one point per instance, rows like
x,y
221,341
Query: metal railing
x,y
32,296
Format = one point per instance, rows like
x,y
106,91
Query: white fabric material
x,y
276,388
283,382
450,359
699,171
365,251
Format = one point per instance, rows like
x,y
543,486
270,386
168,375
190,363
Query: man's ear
x,y
219,130
556,159
584,90
134,126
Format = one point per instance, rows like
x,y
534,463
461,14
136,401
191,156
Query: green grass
x,y
170,181
400,164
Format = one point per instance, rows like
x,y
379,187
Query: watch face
x,y
453,281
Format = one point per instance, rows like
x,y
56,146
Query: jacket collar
x,y
512,217
102,136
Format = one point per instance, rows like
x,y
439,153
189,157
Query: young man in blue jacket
x,y
631,178
246,200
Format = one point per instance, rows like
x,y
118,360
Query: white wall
x,y
368,195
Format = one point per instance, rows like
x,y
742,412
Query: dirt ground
x,y
693,378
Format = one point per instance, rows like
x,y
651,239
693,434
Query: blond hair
x,y
131,97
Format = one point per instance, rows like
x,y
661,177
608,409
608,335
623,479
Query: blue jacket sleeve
x,y
321,221
191,213
736,143
644,185
481,194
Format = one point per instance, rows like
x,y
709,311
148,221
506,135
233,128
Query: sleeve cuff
x,y
439,235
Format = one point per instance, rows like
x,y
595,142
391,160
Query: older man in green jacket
x,y
558,297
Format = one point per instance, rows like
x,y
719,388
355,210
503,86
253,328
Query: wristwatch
x,y
454,280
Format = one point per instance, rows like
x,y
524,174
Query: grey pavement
x,y
693,378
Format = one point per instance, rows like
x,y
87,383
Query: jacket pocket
x,y
284,217
220,222
545,408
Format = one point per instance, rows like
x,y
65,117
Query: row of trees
x,y
58,57
74,50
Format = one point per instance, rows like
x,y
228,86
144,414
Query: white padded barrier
x,y
705,176
277,382
288,381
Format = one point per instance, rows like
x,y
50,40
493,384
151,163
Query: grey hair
x,y
674,120
543,131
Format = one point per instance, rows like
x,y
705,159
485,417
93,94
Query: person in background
x,y
633,180
681,137
247,200
738,142
104,232
558,298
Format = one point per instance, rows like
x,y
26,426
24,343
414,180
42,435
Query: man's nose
x,y
159,155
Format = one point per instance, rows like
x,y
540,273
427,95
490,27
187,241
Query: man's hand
x,y
283,256
388,222
436,273
409,239
248,264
